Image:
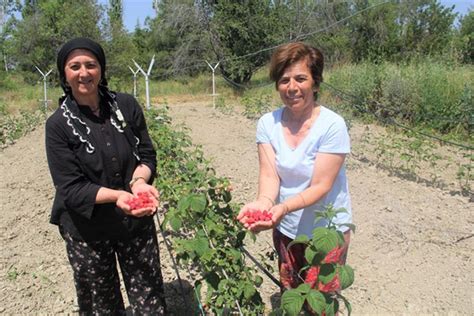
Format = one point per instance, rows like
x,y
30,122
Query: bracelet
x,y
302,198
266,197
131,183
287,210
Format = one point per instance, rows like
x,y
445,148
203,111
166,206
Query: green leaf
x,y
325,239
183,203
240,236
346,276
219,301
327,273
292,302
223,286
176,223
207,258
249,291
300,239
352,227
226,195
258,280
341,210
201,246
212,279
312,256
235,254
303,288
316,301
198,203
252,235
332,306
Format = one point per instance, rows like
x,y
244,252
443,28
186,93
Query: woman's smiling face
x,y
83,73
296,86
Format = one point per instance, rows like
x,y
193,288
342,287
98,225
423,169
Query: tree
x,y
176,37
7,20
119,45
115,12
427,27
374,32
466,31
45,26
241,33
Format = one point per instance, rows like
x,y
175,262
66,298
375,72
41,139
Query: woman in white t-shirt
x,y
301,147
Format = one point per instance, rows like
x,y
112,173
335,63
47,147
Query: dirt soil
x,y
412,253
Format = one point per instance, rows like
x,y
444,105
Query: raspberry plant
x,y
325,275
200,213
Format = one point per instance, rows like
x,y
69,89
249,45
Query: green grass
x,y
16,95
428,94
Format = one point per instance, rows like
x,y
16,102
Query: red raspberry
x,y
142,200
257,216
333,256
332,286
312,276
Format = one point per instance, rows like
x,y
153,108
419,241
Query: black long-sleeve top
x,y
78,174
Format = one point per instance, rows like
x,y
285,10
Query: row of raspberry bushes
x,y
200,214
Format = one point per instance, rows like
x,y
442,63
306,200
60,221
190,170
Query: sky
x,y
138,10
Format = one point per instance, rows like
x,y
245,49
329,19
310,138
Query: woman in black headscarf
x,y
101,158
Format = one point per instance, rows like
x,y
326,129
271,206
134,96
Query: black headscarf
x,y
80,43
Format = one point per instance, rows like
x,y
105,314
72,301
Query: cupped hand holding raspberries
x,y
256,217
142,200
251,217
140,204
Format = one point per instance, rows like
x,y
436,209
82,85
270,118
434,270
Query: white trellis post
x,y
134,80
45,101
147,77
213,83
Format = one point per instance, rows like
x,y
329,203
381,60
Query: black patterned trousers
x,y
97,281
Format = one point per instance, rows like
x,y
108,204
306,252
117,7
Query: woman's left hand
x,y
278,212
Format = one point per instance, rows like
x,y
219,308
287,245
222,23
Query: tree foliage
x,y
426,26
118,44
238,29
467,37
45,26
177,39
239,34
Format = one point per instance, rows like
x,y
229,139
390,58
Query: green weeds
x,y
429,94
256,106
13,127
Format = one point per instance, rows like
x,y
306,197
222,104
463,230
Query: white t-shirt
x,y
295,167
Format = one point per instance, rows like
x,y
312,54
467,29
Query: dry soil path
x,y
412,253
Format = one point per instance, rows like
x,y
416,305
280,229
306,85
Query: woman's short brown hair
x,y
291,53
